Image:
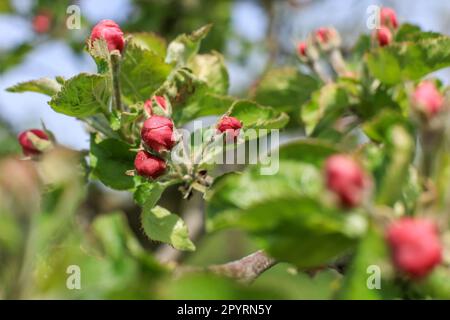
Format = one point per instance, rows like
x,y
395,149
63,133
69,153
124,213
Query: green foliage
x,y
326,106
235,192
371,259
161,225
407,60
45,86
258,117
303,232
285,89
110,159
142,71
211,69
150,41
82,96
360,107
186,46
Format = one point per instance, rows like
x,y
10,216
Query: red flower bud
x,y
323,35
230,125
160,101
388,18
415,246
148,165
41,22
327,38
110,31
28,147
346,179
384,36
427,98
157,133
301,49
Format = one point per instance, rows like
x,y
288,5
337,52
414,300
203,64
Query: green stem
x,y
115,66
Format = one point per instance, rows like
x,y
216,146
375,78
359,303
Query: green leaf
x,y
142,72
436,285
311,151
326,106
14,56
410,32
150,41
99,51
371,257
285,89
161,225
185,46
299,230
45,86
409,60
207,104
82,96
211,69
255,116
399,154
191,97
109,160
378,128
158,223
110,230
148,192
233,193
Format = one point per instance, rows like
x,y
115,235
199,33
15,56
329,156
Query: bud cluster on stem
x,y
325,41
388,25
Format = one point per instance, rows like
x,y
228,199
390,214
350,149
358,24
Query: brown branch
x,y
245,270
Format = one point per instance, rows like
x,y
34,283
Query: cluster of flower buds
x,y
415,246
157,135
157,105
111,33
327,38
346,179
388,25
34,142
323,39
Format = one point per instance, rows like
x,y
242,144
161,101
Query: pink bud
x,y
27,145
323,34
301,49
230,125
160,101
157,133
149,166
384,36
415,246
110,31
41,22
388,18
427,98
346,179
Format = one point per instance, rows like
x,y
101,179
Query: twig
x,y
245,270
115,62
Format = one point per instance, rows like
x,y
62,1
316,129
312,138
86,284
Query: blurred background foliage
x,y
98,229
